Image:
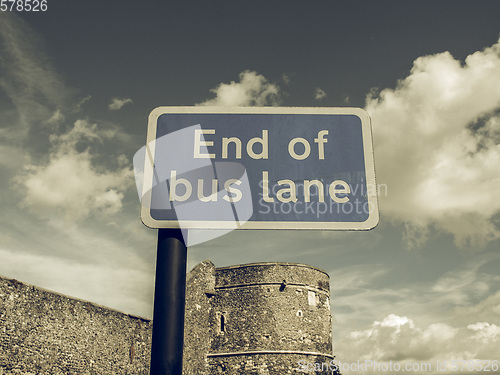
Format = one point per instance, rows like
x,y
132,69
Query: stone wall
x,y
261,318
273,306
42,332
271,364
199,315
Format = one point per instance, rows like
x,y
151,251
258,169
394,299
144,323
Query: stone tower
x,y
261,318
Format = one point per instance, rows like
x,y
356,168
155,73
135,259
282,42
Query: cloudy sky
x,y
78,81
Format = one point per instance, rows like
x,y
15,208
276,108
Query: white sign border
x,y
373,216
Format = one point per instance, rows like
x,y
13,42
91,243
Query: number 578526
x,y
23,5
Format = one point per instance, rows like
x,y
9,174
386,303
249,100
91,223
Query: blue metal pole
x,y
169,304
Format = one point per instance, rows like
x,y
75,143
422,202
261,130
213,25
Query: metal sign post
x,y
169,304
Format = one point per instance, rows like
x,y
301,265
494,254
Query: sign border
x,y
370,223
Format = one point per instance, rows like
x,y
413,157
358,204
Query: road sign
x,y
259,168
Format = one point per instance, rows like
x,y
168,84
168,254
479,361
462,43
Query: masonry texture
x,y
261,318
42,332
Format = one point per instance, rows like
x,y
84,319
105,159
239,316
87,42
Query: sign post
x,y
221,169
170,294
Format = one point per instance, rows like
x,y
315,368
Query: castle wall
x,y
42,332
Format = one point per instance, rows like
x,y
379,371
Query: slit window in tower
x,y
222,323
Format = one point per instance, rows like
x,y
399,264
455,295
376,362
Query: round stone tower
x,y
263,318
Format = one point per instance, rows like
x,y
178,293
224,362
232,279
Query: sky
x,y
78,82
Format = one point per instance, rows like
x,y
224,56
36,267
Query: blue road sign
x,y
259,168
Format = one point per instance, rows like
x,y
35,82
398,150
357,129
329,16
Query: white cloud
x,y
68,181
437,147
70,184
460,286
488,309
319,94
78,106
450,323
117,104
485,332
400,340
464,293
253,89
55,120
